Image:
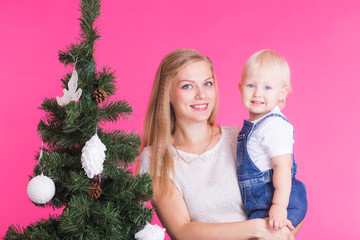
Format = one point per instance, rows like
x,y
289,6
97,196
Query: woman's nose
x,y
200,93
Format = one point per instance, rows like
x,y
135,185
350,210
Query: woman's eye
x,y
186,86
208,84
268,87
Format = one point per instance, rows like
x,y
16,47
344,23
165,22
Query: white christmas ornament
x,y
71,94
93,156
41,189
151,232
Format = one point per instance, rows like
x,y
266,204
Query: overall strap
x,y
247,127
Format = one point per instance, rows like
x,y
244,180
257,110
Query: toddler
x,y
265,161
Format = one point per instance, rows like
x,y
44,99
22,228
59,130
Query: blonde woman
x,y
192,161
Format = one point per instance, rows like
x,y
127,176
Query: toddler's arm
x,y
282,183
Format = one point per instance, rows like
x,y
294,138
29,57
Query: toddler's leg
x,y
296,215
297,203
259,214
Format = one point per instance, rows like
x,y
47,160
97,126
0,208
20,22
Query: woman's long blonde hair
x,y
160,119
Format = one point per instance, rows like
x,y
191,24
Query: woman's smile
x,y
200,107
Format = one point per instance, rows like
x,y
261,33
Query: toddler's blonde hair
x,y
267,62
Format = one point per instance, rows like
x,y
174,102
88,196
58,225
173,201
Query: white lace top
x,y
209,184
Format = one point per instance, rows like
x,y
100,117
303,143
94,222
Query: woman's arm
x,y
173,213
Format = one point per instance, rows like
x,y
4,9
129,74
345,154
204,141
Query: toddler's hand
x,y
278,218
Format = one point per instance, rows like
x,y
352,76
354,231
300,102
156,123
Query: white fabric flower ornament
x,y
93,156
151,232
72,94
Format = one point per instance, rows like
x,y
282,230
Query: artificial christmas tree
x,y
88,164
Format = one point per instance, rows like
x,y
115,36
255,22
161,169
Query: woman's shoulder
x,y
230,128
230,131
145,160
146,151
228,137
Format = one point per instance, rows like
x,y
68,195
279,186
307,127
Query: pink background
x,y
320,40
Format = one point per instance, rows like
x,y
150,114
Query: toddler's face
x,y
260,94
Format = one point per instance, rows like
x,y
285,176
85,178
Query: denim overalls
x,y
257,188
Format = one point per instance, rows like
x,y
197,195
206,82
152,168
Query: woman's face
x,y
193,93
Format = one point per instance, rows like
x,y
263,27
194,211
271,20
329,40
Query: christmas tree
x,y
86,167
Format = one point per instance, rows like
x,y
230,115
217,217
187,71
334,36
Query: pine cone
x,y
100,95
95,191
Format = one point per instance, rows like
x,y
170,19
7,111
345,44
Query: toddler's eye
x,y
186,86
268,88
250,85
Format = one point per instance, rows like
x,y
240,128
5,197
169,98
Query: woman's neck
x,y
192,137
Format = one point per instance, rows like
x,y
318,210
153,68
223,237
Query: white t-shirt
x,y
271,138
209,184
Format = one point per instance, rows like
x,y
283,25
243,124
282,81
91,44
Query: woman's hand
x,y
268,233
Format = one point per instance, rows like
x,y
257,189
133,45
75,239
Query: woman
x,y
192,161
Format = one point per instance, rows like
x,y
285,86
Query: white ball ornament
x,y
41,189
151,232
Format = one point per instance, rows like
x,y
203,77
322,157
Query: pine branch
x,y
56,134
72,50
52,109
73,219
122,148
77,183
77,127
51,162
108,218
106,80
42,230
121,137
128,189
112,111
82,118
50,130
65,80
80,205
70,226
90,10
